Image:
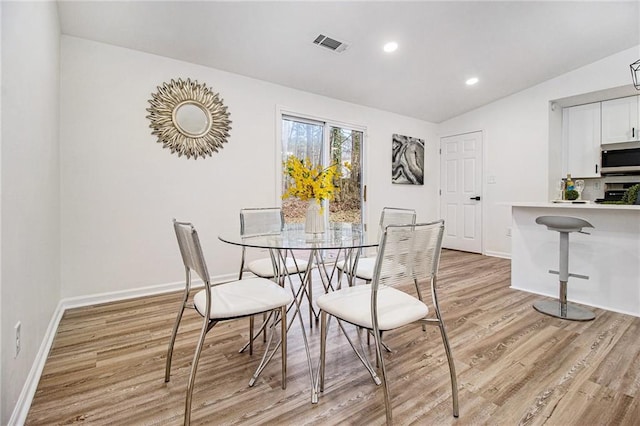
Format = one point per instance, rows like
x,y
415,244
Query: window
x,y
326,143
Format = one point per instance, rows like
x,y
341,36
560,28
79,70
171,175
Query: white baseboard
x,y
498,254
21,409
593,305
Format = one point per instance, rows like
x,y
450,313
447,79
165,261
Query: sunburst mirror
x,y
189,118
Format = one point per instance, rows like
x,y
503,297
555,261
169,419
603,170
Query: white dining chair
x,y
227,301
363,268
408,254
264,221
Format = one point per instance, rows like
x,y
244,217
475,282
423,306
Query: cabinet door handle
x,y
633,132
596,169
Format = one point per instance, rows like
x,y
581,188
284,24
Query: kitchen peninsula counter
x,y
610,256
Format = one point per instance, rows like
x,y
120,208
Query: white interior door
x,y
461,191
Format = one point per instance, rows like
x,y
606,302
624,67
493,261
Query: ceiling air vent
x,y
329,43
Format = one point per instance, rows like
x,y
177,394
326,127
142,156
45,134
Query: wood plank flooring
x,y
515,366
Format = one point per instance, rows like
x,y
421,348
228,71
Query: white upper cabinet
x,y
620,120
581,140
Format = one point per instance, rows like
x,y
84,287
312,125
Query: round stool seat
x,y
563,223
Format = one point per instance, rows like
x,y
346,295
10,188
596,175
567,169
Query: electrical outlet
x,y
17,334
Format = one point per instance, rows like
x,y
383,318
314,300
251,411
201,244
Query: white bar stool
x,y
560,308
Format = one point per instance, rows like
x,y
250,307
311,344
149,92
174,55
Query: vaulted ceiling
x,y
508,46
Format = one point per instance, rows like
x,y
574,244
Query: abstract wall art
x,y
407,160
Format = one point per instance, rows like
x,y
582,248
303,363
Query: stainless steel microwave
x,y
620,161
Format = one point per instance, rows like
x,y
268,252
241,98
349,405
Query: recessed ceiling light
x,y
472,81
390,47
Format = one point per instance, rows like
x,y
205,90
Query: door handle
x,y
477,198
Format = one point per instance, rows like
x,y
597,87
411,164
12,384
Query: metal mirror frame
x,y
165,104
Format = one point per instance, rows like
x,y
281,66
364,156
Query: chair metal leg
x,y
323,347
385,385
264,330
447,350
256,334
452,368
251,337
384,345
283,348
268,354
174,333
206,326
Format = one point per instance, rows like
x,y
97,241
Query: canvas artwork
x,y
407,160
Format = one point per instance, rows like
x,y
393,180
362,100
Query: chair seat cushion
x,y
264,267
367,265
353,304
364,270
242,298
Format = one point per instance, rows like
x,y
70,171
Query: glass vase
x,y
314,223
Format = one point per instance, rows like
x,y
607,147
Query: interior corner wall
x,y
30,216
2,403
120,188
516,140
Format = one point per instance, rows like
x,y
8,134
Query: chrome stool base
x,y
570,311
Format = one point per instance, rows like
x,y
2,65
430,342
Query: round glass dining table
x,y
340,242
338,235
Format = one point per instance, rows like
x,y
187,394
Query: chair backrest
x,y
408,254
260,221
190,249
395,216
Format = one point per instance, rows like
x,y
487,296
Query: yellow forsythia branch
x,y
308,181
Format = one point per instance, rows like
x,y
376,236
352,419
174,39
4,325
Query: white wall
x,y
30,186
120,188
516,136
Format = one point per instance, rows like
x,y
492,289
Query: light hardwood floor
x,y
515,366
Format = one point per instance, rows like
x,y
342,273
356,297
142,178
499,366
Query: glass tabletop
x,y
337,235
